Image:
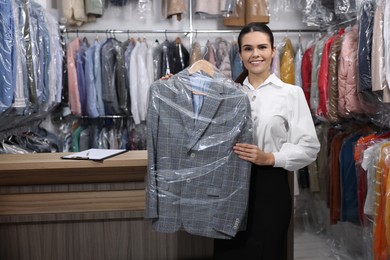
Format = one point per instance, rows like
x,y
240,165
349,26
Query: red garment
x,y
322,110
306,70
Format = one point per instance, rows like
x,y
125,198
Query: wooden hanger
x,y
202,65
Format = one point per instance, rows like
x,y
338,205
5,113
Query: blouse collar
x,y
272,79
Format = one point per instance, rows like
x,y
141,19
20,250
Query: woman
x,y
285,140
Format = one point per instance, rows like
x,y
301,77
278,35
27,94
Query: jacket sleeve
x,y
152,122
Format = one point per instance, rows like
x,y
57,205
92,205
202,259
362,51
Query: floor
x,y
311,247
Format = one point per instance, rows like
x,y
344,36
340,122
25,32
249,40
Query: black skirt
x,y
269,214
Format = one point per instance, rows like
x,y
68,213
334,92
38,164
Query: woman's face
x,y
257,53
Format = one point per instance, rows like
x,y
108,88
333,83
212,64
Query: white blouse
x,y
282,123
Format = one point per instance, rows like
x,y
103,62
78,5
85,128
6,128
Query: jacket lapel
x,y
210,106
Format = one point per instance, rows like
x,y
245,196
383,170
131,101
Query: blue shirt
x,y
7,52
200,84
90,83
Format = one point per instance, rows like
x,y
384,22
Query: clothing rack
x,y
185,32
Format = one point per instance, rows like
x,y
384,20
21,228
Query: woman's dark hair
x,y
252,27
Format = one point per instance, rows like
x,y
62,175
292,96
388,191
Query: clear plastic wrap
x,y
380,232
7,56
315,14
174,8
287,66
144,8
195,181
235,13
345,7
372,102
333,92
257,11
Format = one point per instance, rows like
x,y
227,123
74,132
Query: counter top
x,y
49,168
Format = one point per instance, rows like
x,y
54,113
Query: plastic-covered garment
x,y
222,57
323,78
216,7
7,55
315,14
175,8
306,71
196,53
235,13
316,60
194,179
94,7
144,8
366,22
298,64
348,101
378,68
345,7
73,13
333,92
380,242
257,11
287,68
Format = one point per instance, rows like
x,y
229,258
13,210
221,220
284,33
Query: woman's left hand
x,y
253,154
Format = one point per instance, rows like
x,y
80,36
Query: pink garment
x,y
210,53
74,96
347,75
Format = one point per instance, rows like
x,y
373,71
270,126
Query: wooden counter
x,y
51,208
49,168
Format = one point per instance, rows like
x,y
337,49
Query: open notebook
x,y
94,154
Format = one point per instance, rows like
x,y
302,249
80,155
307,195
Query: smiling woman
x,y
284,140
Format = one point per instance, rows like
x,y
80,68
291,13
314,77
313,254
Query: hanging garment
x,y
73,12
139,82
323,78
115,95
348,101
196,53
195,181
378,68
333,92
287,62
74,97
209,7
307,66
298,64
222,59
317,54
209,54
180,56
366,22
90,81
175,8
7,54
235,61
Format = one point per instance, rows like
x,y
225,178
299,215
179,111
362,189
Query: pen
x,y
81,157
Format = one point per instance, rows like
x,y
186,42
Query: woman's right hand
x,y
166,76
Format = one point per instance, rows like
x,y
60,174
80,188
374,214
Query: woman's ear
x,y
273,51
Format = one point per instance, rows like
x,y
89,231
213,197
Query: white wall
x,y
126,18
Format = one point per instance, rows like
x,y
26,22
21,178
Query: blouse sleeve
x,y
302,144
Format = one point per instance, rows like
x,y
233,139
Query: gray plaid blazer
x,y
195,181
